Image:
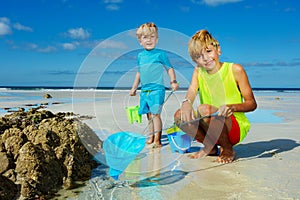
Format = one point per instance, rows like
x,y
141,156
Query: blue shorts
x,y
151,101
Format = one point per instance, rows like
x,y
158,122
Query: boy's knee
x,y
205,109
177,117
177,114
156,116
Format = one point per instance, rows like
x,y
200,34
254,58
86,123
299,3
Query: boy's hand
x,y
225,111
132,92
187,113
174,86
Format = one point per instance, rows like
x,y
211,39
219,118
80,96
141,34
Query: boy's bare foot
x,y
150,140
199,154
202,153
226,156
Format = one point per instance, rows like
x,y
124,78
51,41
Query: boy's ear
x,y
219,50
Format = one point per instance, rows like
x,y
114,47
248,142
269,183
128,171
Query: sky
x,y
53,42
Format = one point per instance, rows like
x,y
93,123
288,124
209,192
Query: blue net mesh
x,y
120,149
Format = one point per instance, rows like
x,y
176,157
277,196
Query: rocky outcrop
x,y
8,189
41,152
47,96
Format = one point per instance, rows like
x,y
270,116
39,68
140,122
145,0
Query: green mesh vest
x,y
219,89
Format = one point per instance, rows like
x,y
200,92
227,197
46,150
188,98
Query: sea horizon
x,y
9,88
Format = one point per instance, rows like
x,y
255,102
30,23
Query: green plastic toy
x,y
133,114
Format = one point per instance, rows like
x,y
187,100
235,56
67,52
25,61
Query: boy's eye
x,y
198,56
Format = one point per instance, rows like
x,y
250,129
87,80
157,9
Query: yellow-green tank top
x,y
219,89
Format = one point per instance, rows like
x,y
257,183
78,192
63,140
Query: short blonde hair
x,y
146,29
201,40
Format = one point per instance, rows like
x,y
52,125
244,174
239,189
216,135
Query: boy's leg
x,y
197,130
227,139
218,130
207,139
209,131
144,109
156,101
151,128
157,123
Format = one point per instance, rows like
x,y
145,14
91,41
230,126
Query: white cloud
x,y
78,33
5,28
215,2
32,47
82,44
46,49
4,20
21,27
112,1
112,5
70,46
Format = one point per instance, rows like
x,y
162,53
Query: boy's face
x,y
149,41
208,58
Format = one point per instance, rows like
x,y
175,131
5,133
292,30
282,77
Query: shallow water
x,y
264,116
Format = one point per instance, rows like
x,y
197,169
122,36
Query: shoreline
x,y
55,88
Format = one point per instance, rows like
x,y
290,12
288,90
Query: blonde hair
x,y
146,29
201,40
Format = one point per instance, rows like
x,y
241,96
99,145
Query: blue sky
x,y
46,42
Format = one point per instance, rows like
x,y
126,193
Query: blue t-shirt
x,y
151,64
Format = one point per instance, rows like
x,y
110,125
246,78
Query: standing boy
x,y
151,64
223,88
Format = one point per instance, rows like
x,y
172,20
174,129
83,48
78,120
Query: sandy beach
x,y
266,165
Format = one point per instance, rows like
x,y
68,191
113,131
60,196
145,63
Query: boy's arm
x,y
249,103
193,88
173,81
187,112
135,84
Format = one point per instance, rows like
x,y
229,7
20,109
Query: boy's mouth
x,y
207,63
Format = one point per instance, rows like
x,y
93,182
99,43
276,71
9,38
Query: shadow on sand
x,y
164,178
265,149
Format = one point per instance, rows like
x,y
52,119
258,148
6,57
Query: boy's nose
x,y
205,56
